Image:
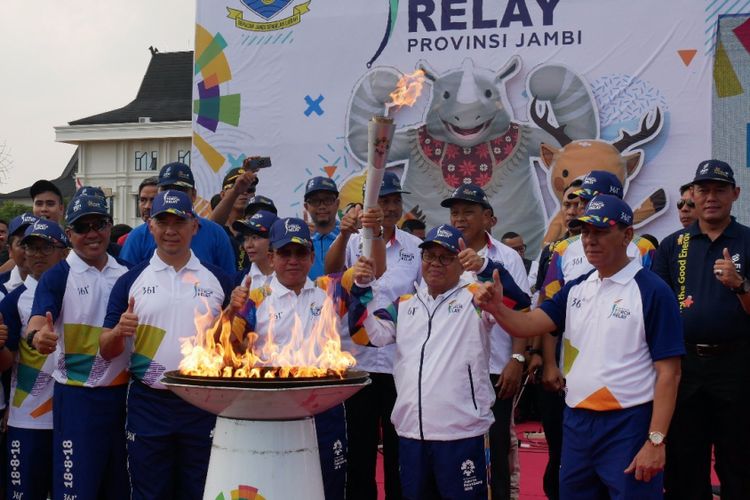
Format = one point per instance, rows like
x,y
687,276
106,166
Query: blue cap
x,y
47,230
176,174
89,191
290,230
320,184
470,193
172,202
86,205
446,236
605,210
391,184
259,202
714,170
259,223
599,182
21,222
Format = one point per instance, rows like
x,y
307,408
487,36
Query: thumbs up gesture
x,y
240,294
470,260
128,320
3,332
45,340
726,272
489,295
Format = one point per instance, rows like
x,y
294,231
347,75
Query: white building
x,y
118,149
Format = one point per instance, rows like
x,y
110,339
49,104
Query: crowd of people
x,y
638,344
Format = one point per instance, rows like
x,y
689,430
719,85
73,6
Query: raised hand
x,y
350,221
128,320
239,294
45,340
725,271
245,181
469,259
373,219
364,271
488,295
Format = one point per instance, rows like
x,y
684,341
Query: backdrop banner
x,y
520,97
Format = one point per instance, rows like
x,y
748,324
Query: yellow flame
x,y
408,89
215,352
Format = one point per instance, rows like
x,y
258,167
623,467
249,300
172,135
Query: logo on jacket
x,y
339,459
618,311
455,307
315,309
469,471
405,256
201,292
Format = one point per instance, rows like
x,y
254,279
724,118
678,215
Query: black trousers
x,y
368,413
713,408
500,446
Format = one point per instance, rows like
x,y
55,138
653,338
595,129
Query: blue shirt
x,y
211,244
321,244
710,311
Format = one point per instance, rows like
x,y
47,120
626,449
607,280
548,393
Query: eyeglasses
x,y
443,259
682,203
43,250
87,227
316,202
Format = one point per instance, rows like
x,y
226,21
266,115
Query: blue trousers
x,y
597,447
29,463
88,445
330,427
444,469
169,445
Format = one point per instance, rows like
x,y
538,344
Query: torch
x,y
379,136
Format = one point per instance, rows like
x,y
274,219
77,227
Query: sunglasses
x,y
86,227
682,203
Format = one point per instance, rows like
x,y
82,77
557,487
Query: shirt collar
x,y
731,231
281,290
78,265
30,283
622,276
330,235
15,276
193,264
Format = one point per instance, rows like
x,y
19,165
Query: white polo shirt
x,y
31,384
76,294
403,269
613,329
258,279
166,303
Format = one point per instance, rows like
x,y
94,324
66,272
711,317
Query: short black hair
x,y
117,231
44,186
411,225
148,181
215,199
509,236
3,221
685,187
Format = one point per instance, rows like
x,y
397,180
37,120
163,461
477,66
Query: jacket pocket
x,y
471,386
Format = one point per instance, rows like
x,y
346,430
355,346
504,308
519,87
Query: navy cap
x,y
47,230
259,223
714,170
21,222
320,184
86,205
259,202
446,236
599,182
290,230
391,184
172,202
89,191
605,210
176,174
468,192
231,177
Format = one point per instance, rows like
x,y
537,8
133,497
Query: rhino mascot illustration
x,y
469,135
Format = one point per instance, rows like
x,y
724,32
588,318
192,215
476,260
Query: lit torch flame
x,y
215,352
407,91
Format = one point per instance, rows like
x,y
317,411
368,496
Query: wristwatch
x,y
30,339
519,357
743,288
656,438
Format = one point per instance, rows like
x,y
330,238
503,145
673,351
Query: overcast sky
x,y
64,60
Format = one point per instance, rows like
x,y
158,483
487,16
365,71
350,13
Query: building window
x,y
183,156
145,161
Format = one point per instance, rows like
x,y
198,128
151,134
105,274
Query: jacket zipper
x,y
471,385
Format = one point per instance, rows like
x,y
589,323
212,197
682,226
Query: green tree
x,y
10,209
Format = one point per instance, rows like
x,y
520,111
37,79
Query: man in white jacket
x,y
444,395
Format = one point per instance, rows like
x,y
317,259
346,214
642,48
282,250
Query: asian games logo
x,y
469,473
265,11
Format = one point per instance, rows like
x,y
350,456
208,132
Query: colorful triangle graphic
x,y
687,55
330,170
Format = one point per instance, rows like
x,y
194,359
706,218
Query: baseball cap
x,y
320,184
391,184
231,177
172,202
42,186
47,230
714,170
89,191
259,202
468,192
176,174
21,222
599,182
446,236
86,205
605,210
290,230
259,223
